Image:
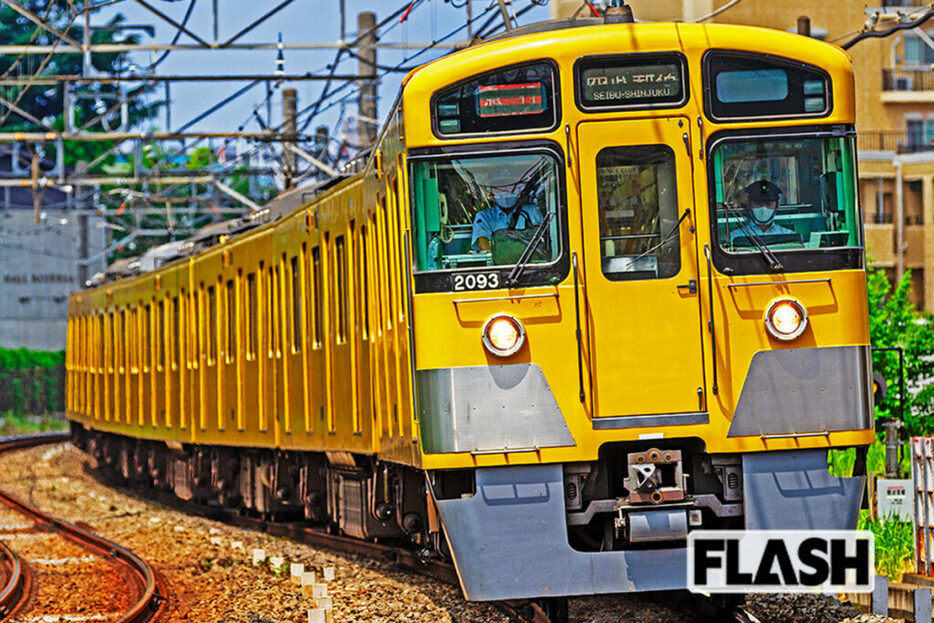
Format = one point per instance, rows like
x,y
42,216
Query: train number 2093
x,y
488,281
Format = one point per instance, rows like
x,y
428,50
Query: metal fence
x,y
894,141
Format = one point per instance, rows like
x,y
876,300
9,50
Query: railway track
x,y
144,597
524,612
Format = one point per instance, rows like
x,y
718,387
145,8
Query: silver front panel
x,y
664,525
510,541
794,490
804,390
483,408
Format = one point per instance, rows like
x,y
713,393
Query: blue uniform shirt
x,y
491,219
773,230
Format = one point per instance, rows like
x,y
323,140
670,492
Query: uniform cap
x,y
761,191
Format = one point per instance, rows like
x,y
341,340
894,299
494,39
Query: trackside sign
x,y
780,561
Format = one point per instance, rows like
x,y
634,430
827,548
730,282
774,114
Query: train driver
x,y
760,203
504,211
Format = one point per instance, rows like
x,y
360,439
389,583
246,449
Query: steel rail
x,y
408,559
149,604
15,589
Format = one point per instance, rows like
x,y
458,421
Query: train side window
x,y
132,343
161,337
316,293
295,296
212,325
638,212
110,350
251,316
340,275
387,259
121,341
176,334
230,348
197,341
147,337
364,281
273,311
102,340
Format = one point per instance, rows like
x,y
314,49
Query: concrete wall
x,y
39,267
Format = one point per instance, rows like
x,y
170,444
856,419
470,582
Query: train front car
x,y
639,298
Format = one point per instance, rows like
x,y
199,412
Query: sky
x,y
302,21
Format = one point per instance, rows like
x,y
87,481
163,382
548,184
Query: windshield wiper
x,y
767,254
537,236
664,241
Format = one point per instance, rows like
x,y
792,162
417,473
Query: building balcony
x,y
907,86
895,141
904,3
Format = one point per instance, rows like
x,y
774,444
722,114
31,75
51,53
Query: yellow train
x,y
599,285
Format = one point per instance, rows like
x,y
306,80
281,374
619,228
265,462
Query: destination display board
x,y
623,82
500,100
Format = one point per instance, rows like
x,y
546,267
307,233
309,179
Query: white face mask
x,y
763,215
505,200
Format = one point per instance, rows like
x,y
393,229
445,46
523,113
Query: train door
x,y
640,263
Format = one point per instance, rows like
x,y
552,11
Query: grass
x,y
894,544
894,538
21,424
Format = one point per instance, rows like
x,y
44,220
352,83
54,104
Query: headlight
x,y
786,319
503,335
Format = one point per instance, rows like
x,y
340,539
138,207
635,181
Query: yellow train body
x,y
315,332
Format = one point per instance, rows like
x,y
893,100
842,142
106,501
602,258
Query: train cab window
x,y
512,99
785,203
483,212
742,86
638,212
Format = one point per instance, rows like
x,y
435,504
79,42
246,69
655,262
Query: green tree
x,y
45,102
895,322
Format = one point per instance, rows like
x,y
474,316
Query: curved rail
x,y
15,589
150,601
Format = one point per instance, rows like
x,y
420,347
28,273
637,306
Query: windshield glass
x,y
475,212
781,194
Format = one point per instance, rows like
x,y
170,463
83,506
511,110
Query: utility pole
x,y
366,31
289,130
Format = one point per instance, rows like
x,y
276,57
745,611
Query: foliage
x,y
46,102
894,544
32,381
18,424
895,322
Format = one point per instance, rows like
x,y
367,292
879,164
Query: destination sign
x,y
607,85
501,100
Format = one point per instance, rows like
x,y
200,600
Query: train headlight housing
x,y
503,335
786,319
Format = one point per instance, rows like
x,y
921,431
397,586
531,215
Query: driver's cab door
x,y
640,263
